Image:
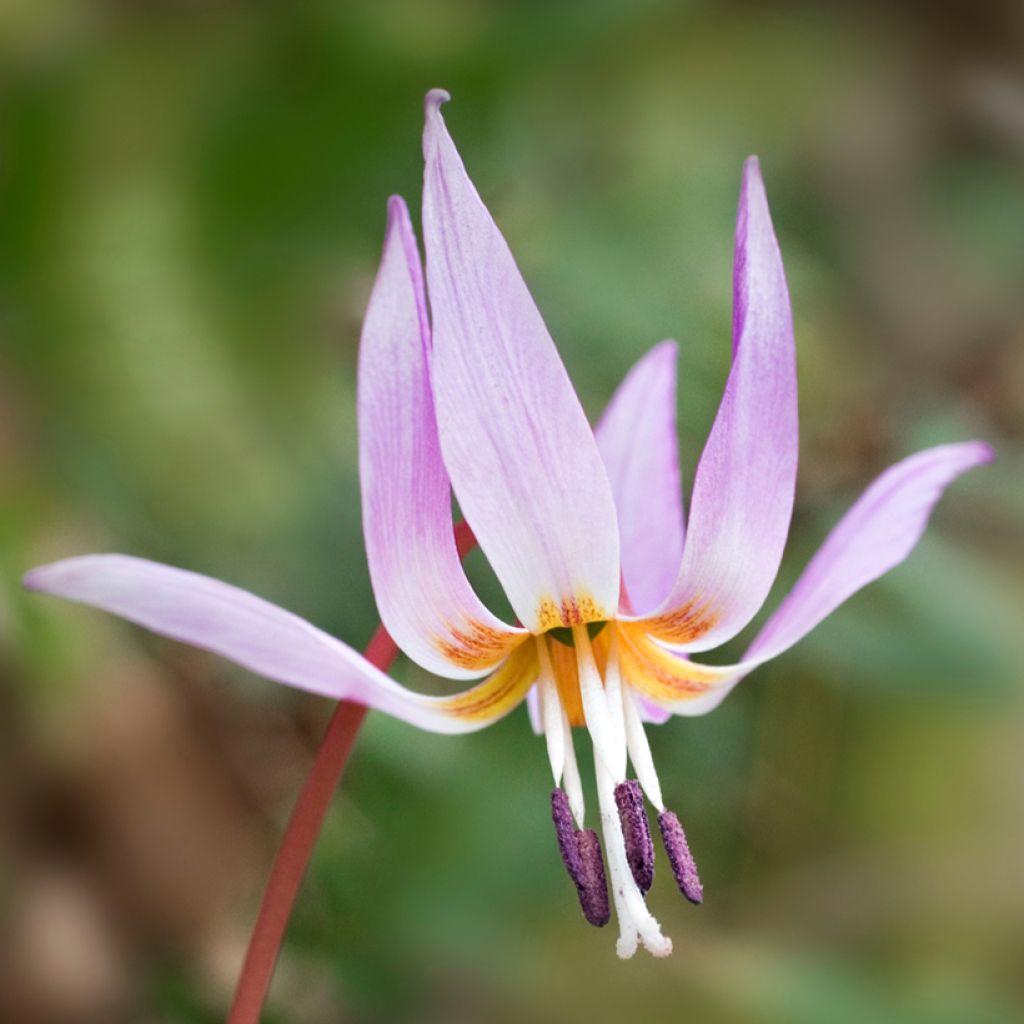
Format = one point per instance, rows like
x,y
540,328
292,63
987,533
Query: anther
x,y
581,854
637,835
565,831
679,856
593,891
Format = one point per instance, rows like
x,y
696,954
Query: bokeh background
x,y
191,208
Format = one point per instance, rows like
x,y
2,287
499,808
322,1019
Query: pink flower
x,y
583,528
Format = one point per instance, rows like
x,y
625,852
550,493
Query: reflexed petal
x,y
874,536
270,641
743,489
637,440
521,456
424,598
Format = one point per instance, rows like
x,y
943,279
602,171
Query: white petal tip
x,y
625,948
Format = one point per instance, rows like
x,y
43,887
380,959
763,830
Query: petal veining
x,y
744,485
425,601
637,440
516,442
270,641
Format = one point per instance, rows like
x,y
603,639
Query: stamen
x,y
636,833
581,854
593,889
551,712
679,856
640,750
573,786
609,741
565,832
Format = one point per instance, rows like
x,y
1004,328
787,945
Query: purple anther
x,y
629,799
565,831
679,856
581,854
592,887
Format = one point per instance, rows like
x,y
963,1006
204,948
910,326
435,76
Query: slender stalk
x,y
297,846
303,829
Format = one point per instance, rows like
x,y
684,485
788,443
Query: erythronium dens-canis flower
x,y
584,529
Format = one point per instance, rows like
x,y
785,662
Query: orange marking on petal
x,y
563,663
475,645
574,610
684,624
500,691
659,674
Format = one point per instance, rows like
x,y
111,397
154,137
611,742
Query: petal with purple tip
x,y
637,440
272,642
521,456
424,598
744,485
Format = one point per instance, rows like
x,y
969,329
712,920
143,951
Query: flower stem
x,y
303,829
297,845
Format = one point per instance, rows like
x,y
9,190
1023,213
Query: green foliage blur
x,y
192,201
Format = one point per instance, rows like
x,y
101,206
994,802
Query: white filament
x,y
640,750
558,734
551,712
573,786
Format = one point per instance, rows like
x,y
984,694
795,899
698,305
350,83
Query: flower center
x,y
582,684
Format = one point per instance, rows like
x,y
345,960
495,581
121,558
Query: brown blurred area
x,y
191,204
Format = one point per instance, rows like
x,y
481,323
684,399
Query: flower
x,y
583,528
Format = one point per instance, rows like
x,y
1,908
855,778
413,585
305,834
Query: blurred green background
x,y
191,209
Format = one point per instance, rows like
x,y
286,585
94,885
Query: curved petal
x,y
743,489
517,445
875,535
637,440
424,598
270,641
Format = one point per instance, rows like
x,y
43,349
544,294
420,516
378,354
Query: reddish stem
x,y
303,828
297,845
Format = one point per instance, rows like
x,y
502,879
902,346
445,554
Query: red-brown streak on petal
x,y
684,624
475,645
500,691
574,610
656,672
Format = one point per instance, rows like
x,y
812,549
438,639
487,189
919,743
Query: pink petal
x,y
270,641
522,458
744,485
875,535
637,440
424,598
